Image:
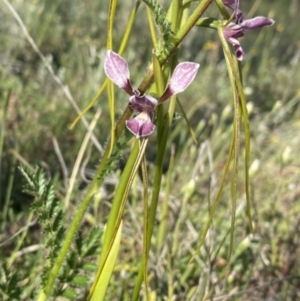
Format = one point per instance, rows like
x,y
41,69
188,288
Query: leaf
x,y
90,245
81,280
187,121
28,175
98,292
70,293
89,267
58,221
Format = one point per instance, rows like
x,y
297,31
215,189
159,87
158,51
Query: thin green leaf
x,y
217,198
162,230
236,134
81,280
243,107
70,293
152,28
110,86
121,50
145,232
98,293
119,202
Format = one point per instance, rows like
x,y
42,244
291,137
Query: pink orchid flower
x,y
233,31
116,69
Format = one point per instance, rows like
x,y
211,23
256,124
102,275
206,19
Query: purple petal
x,y
239,52
256,22
142,103
231,3
141,125
116,69
234,5
233,30
181,78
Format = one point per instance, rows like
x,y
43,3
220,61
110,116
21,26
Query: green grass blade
x,y
145,232
90,105
9,189
151,27
101,285
192,132
111,104
217,198
121,50
160,85
243,108
2,135
162,230
229,58
110,87
119,203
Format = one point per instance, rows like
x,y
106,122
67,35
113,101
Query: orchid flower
x,y
234,31
116,69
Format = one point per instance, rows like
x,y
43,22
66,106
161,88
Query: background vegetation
x,y
35,117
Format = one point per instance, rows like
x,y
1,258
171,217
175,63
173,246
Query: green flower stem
x,y
230,59
175,14
222,9
145,230
208,22
162,143
4,114
153,207
191,21
162,230
183,31
151,28
236,73
110,87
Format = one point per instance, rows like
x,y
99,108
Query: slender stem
x,y
145,230
2,136
191,21
183,31
110,86
162,230
153,206
176,5
238,80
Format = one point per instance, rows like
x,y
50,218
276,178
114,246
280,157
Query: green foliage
x,y
163,25
48,209
115,157
9,288
76,273
160,18
50,214
264,265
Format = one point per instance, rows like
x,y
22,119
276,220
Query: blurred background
x,y
35,119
